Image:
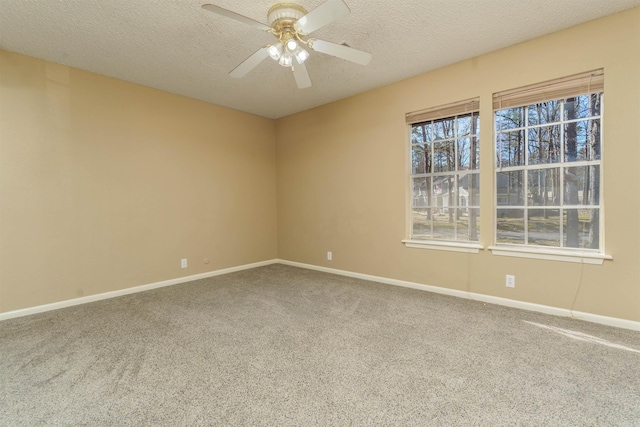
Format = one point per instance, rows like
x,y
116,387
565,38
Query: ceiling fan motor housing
x,y
283,15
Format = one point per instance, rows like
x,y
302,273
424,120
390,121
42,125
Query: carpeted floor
x,y
284,346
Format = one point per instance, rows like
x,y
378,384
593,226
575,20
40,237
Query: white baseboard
x,y
589,317
556,311
127,291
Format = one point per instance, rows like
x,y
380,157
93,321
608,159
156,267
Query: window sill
x,y
471,248
550,254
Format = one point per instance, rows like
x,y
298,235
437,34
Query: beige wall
x,y
342,175
106,185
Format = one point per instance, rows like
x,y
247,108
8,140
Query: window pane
x,y
582,185
429,131
544,187
444,223
464,125
469,189
467,224
444,191
443,156
421,224
510,226
462,224
582,140
510,149
510,188
474,161
469,125
468,153
510,118
473,220
444,128
464,153
475,124
421,196
544,145
582,107
581,228
544,112
418,133
420,159
544,227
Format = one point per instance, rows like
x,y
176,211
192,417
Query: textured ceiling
x,y
176,46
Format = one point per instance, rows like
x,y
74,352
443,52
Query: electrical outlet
x,y
511,281
183,263
329,256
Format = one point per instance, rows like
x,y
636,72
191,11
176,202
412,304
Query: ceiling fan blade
x,y
340,51
241,18
322,15
302,76
250,63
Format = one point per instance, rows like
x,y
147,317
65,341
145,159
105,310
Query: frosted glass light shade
x,y
301,55
275,51
286,60
292,45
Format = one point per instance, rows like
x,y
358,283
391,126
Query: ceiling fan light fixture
x,y
301,55
290,23
292,45
286,60
275,51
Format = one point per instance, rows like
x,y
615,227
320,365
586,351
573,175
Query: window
x,y
445,179
548,172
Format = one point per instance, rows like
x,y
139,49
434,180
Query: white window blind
x,y
442,111
566,87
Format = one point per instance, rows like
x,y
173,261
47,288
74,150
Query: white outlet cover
x,y
511,281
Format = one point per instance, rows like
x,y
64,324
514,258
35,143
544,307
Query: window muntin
x,y
445,179
548,173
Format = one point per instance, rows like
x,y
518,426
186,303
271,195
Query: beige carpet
x,y
284,346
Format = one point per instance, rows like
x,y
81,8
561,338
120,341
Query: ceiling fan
x,y
290,23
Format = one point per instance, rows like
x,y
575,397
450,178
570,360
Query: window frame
x,y
450,111
526,249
